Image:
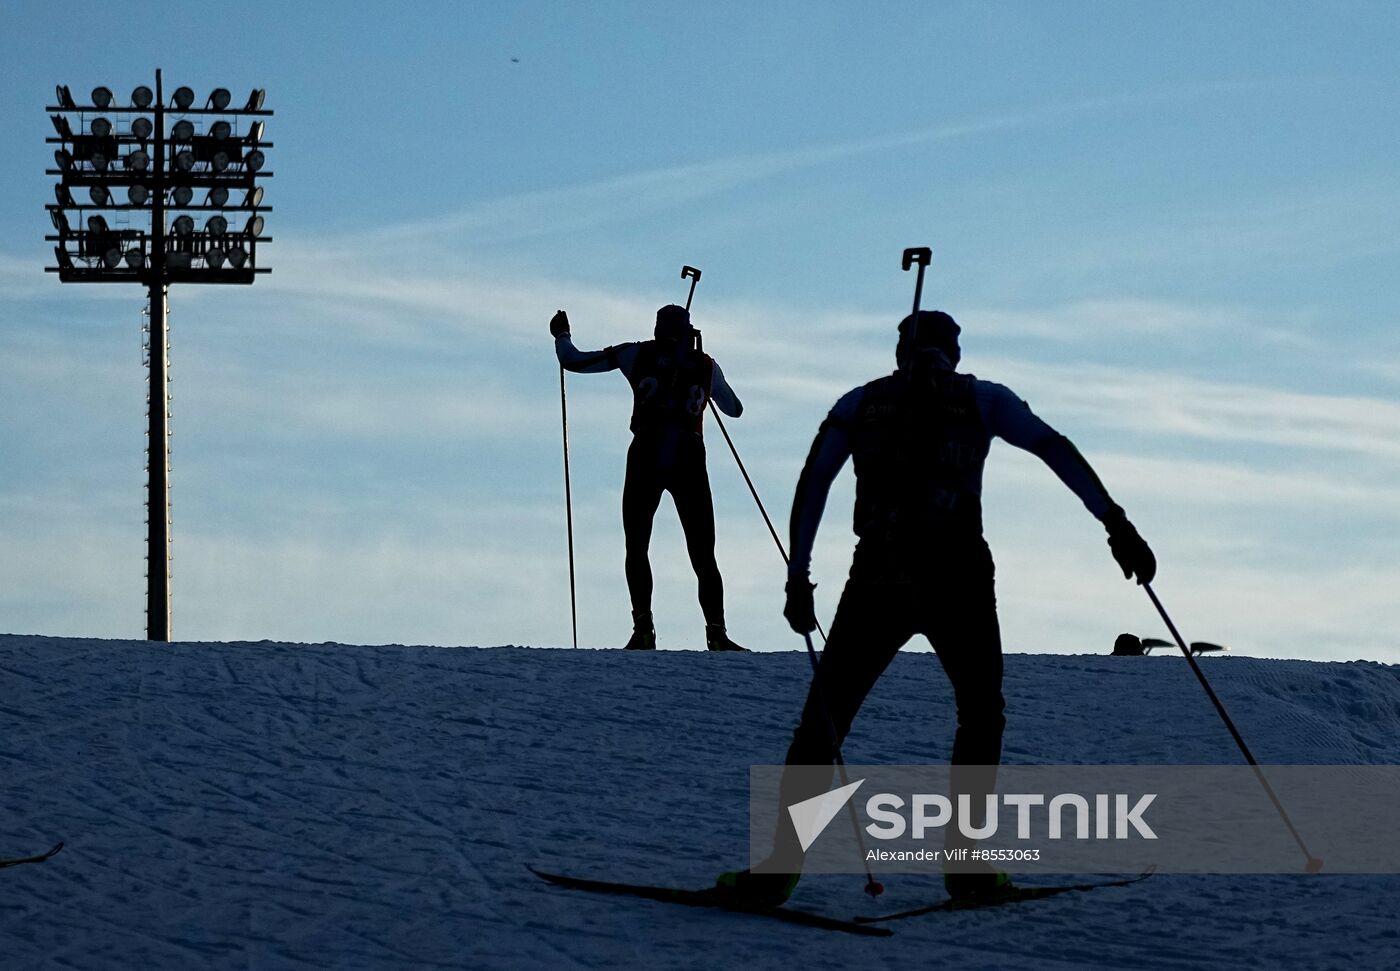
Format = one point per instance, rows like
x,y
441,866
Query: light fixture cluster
x,y
158,190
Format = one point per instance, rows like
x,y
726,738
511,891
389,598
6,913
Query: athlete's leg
x,y
872,622
960,620
641,494
690,489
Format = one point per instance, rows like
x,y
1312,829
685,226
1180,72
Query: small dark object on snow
x,y
1127,645
37,858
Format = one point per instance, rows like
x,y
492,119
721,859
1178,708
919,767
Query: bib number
x,y
695,404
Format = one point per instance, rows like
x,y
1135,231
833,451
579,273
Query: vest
x,y
669,390
918,445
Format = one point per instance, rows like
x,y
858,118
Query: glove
x,y
559,323
800,611
1129,549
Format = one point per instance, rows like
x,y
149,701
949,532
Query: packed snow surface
x,y
261,805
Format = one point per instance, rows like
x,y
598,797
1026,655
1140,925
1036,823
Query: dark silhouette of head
x,y
921,341
673,324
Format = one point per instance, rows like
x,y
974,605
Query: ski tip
x,y
556,879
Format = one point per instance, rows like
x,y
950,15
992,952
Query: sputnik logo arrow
x,y
811,816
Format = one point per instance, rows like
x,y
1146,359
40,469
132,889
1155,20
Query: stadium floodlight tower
x,y
142,198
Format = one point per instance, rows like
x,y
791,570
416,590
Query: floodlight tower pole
x,y
158,472
158,404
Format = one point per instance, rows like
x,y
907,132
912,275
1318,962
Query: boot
x,y
744,888
643,632
717,640
986,882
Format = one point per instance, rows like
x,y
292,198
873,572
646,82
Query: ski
x,y
40,858
1014,896
708,898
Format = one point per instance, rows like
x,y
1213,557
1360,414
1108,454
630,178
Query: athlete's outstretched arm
x,y
723,395
589,362
1010,418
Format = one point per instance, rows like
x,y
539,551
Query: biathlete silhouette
x,y
673,381
919,438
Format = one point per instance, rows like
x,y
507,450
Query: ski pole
x,y
568,506
921,255
754,492
749,482
1314,863
872,886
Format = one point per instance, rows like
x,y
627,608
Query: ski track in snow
x,y
308,806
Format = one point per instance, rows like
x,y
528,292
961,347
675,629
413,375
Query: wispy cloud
x,y
1310,229
1175,405
1204,484
574,207
571,208
1382,367
1086,321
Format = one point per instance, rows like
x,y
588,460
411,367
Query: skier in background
x,y
919,438
672,382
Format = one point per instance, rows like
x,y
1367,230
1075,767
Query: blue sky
x,y
1171,227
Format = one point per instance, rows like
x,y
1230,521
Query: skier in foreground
x,y
672,382
919,438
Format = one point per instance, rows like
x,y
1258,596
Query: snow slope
x,y
305,806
